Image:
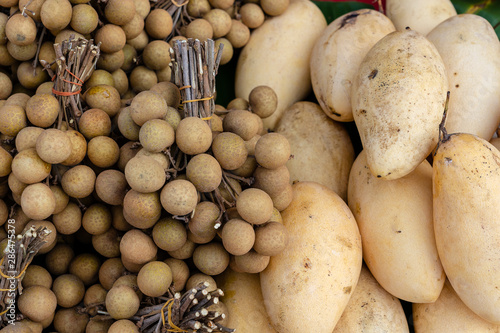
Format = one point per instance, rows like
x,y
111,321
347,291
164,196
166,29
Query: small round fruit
x,y
147,105
94,122
123,326
96,219
202,223
37,303
185,252
69,290
119,12
220,22
42,110
180,272
69,220
86,267
122,302
198,278
104,97
204,172
241,122
156,135
103,151
38,201
144,174
211,259
270,239
239,34
84,19
159,24
29,168
58,259
53,146
56,14
154,278
138,247
238,237
252,262
20,30
230,151
78,182
12,119
169,234
252,15
272,150
193,136
156,55
112,38
111,186
179,197
141,210
263,101
36,276
254,206
109,272
200,29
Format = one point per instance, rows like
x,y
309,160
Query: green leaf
x,y
332,10
489,9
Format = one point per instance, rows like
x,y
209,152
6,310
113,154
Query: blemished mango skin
x,y
307,286
466,192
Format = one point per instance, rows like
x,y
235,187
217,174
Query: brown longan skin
x,y
107,244
142,79
283,199
3,22
56,14
78,182
26,138
137,247
121,80
58,259
119,12
12,119
222,4
272,181
98,77
69,290
211,259
111,61
230,151
238,236
263,101
180,272
111,186
70,320
241,122
227,51
69,220
37,303
128,128
144,174
272,150
34,8
86,267
42,110
20,30
254,206
5,162
169,91
84,19
252,15
169,234
5,86
251,262
38,201
93,295
122,302
154,278
197,278
220,22
193,136
22,52
270,239
200,29
179,197
104,97
156,135
110,271
61,198
274,7
78,148
142,210
94,122
204,172
198,8
134,27
96,219
36,276
152,102
112,38
185,252
103,151
53,146
159,24
239,34
202,223
156,55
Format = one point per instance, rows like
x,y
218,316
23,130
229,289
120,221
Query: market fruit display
x,y
276,166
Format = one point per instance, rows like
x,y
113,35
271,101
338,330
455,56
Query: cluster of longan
x,y
228,21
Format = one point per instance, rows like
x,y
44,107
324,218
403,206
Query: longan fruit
x,y
238,236
272,181
169,234
50,239
134,27
53,146
6,59
56,14
156,135
112,38
34,8
128,128
179,197
199,29
97,325
161,158
252,262
96,219
98,77
211,259
227,51
229,150
137,247
110,271
263,101
104,97
283,199
119,12
156,55
154,278
86,267
142,7
37,303
254,205
197,278
272,150
26,138
22,52
237,103
12,119
16,186
198,8
206,215
20,30
121,81
142,79
133,267
142,210
119,222
220,21
103,151
58,259
222,4
94,295
78,182
169,91
164,74
45,88
193,136
180,272
18,98
144,174
5,86
66,34
94,122
62,199
107,244
84,19
78,148
238,35
274,7
69,290
241,122
147,105
111,186
3,22
270,239
69,220
70,320
204,172
139,42
123,326
42,110
5,162
38,201
199,239
185,252
252,15
111,61
36,275
4,213
159,24
122,302
127,152
48,54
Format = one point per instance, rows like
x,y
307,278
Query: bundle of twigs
x,y
18,254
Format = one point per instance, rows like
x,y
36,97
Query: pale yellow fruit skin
x,y
244,302
421,15
449,315
466,190
469,47
307,286
401,79
396,226
322,149
271,58
337,54
371,309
